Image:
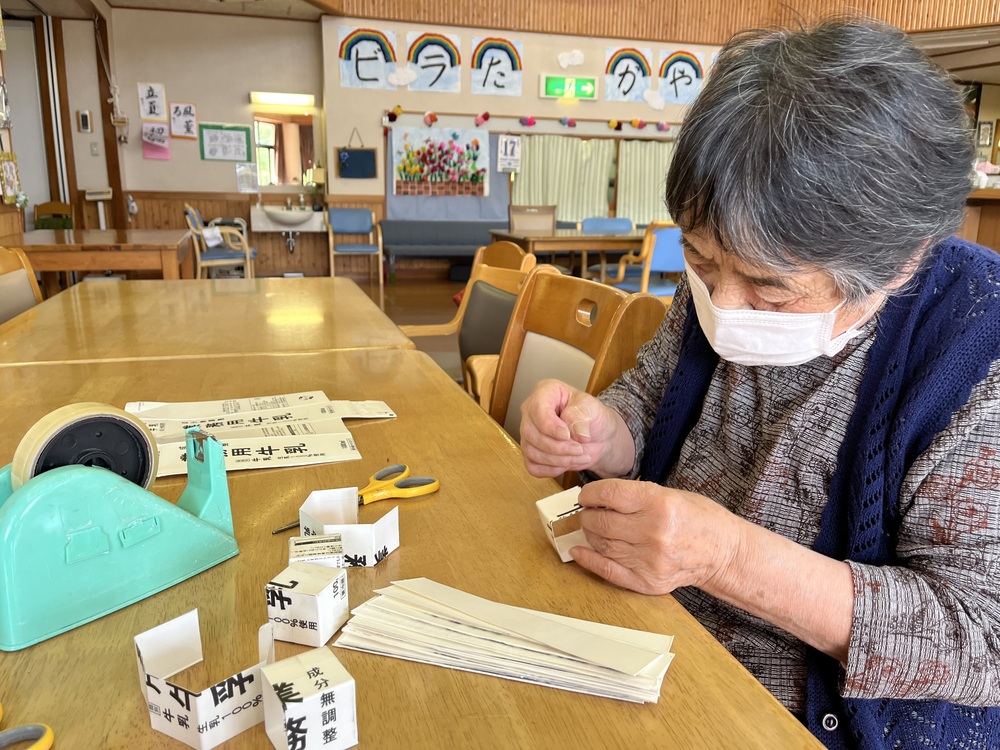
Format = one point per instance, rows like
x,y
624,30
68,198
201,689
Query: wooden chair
x,y
18,287
234,251
661,253
559,328
53,215
356,221
482,317
504,254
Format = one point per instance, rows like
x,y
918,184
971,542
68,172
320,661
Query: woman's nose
x,y
731,294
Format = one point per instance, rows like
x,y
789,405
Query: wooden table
x,y
480,533
573,241
53,250
154,319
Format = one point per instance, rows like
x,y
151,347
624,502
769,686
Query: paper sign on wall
x,y
367,58
496,66
681,75
627,74
183,120
435,60
155,141
152,101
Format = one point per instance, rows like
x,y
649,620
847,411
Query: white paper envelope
x,y
560,516
211,716
336,512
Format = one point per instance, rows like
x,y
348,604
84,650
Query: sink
x,y
288,216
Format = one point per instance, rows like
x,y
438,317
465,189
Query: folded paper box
x,y
560,516
307,603
309,703
208,717
327,512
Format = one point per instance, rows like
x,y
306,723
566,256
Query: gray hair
x,y
840,147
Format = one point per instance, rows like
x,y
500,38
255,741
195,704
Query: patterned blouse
x,y
765,448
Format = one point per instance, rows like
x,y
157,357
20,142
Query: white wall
x,y
83,91
21,73
347,108
213,61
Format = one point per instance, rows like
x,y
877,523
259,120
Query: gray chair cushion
x,y
16,294
484,324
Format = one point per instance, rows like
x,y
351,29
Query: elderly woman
x,y
806,454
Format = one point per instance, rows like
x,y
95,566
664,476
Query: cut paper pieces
x,y
496,66
440,161
295,429
627,75
208,717
155,141
681,76
436,60
310,703
423,621
335,512
307,603
561,519
367,58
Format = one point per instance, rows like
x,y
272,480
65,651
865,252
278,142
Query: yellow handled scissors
x,y
40,734
395,481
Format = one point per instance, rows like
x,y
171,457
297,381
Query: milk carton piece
x,y
309,703
307,603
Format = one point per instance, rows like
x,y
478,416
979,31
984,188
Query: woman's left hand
x,y
653,539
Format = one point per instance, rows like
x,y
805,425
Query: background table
x,y
198,318
572,241
480,532
52,250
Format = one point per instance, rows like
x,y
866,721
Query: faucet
x,y
302,201
288,202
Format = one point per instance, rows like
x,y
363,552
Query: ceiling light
x,y
292,100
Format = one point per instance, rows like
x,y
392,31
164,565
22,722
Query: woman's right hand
x,y
563,429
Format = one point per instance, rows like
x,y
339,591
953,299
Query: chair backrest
x,y
53,215
607,225
18,287
504,254
635,323
540,219
558,329
668,253
192,217
351,220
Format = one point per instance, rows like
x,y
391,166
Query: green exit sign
x,y
568,87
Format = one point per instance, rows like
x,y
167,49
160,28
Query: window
x,y
264,134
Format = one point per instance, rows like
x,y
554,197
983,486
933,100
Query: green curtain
x,y
569,173
642,175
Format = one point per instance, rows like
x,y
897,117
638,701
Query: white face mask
x,y
761,337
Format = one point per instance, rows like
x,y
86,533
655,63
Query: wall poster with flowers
x,y
440,161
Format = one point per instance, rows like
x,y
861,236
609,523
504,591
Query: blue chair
x,y
661,253
356,221
230,248
603,225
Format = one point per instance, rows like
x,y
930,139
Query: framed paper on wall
x,y
984,134
4,104
9,179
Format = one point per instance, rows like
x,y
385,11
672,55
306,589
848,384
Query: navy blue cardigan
x,y
933,345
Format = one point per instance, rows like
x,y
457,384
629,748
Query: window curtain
x,y
571,174
642,179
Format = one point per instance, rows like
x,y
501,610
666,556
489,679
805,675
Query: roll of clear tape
x,y
88,434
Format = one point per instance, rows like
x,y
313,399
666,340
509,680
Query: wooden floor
x,y
418,302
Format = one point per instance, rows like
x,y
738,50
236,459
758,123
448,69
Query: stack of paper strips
x,y
420,620
291,429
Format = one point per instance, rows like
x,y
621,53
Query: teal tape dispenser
x,y
81,535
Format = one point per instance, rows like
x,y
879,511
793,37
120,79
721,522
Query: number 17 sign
x,y
509,153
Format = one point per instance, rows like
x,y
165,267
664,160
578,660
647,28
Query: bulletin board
x,y
224,142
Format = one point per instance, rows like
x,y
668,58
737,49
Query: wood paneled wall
x,y
11,226
710,22
165,210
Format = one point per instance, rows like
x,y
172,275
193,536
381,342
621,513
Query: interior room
x,y
258,258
